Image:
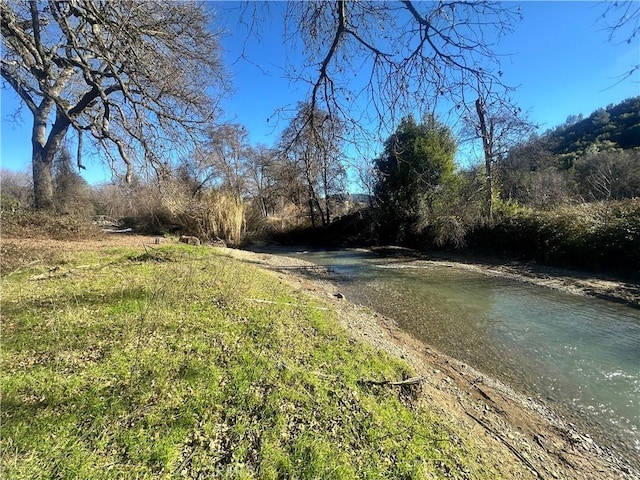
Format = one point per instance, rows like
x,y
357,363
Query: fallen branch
x,y
408,381
158,255
22,267
147,247
504,441
55,272
260,300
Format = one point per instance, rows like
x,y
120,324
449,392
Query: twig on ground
x,y
408,381
271,302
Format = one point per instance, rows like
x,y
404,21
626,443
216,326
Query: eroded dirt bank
x,y
522,438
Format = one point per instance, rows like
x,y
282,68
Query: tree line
x,y
302,178
141,82
224,188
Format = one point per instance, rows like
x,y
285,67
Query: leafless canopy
x,y
134,75
500,126
621,19
395,57
311,143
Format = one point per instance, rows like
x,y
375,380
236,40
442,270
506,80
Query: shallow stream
x,y
578,355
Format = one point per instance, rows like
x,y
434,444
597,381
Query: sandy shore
x,y
577,283
521,438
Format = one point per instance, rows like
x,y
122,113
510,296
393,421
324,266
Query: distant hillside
x,y
616,126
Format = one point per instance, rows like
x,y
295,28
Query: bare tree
x,y
530,174
500,126
227,148
609,175
16,190
395,57
132,75
262,171
312,141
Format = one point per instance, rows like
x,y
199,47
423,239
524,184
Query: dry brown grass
x,y
17,253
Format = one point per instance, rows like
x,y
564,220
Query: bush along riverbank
x,y
601,236
597,237
177,362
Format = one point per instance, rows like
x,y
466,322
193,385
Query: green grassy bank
x,y
182,363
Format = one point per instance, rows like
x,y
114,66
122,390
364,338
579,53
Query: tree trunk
x,y
487,146
326,217
489,192
41,163
43,151
312,214
42,183
327,212
312,201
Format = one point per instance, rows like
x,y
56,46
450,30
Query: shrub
x,y
26,223
603,235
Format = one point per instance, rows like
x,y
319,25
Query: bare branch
x,y
621,19
155,62
378,61
17,87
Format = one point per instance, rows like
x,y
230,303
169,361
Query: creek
x,y
577,355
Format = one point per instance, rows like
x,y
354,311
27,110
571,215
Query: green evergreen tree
x,y
416,164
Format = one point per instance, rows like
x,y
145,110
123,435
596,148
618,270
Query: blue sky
x,y
558,57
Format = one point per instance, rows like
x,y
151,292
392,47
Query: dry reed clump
x,y
212,215
221,215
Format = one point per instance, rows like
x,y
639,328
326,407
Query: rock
x,y
190,240
218,242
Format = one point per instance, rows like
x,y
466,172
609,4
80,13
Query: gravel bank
x,y
522,438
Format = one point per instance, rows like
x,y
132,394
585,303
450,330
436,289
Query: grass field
x,y
179,362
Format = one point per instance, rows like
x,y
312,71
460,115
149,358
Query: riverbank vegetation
x,y
179,362
567,198
179,167
600,236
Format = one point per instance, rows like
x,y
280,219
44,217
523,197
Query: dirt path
x,y
523,439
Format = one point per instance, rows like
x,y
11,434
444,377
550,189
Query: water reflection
x,y
579,355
